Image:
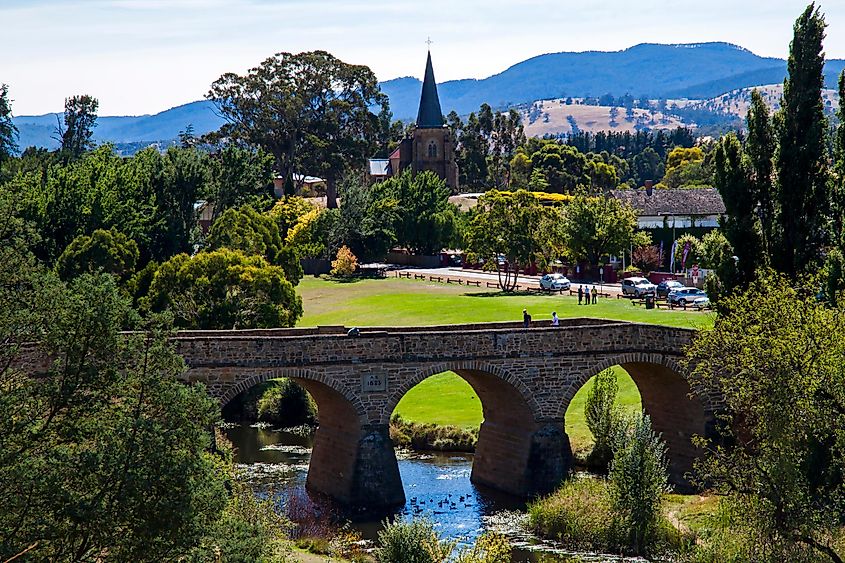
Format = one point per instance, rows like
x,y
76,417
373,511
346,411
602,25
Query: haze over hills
x,y
695,71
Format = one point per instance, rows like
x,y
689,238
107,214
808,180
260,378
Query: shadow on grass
x,y
507,294
347,279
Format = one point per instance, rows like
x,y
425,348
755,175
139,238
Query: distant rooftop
x,y
694,201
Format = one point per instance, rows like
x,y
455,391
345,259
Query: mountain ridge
x,y
681,70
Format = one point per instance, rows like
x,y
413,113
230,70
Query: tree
x,y
646,165
471,156
638,479
224,289
8,131
246,230
595,227
760,150
776,359
602,417
307,109
647,258
506,225
107,452
240,177
80,118
801,158
424,218
109,251
740,224
345,264
365,223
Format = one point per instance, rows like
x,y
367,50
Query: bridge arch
x,y
676,412
517,452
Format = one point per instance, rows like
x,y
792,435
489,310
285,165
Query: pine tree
x,y
801,159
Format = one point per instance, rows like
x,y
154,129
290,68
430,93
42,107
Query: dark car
x,y
666,287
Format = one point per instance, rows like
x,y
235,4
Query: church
x,y
429,147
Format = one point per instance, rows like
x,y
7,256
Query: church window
x,y
432,150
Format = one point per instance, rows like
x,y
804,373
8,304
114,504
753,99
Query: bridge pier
x,y
521,461
356,468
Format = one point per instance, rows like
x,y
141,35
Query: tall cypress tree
x,y
838,179
760,150
801,160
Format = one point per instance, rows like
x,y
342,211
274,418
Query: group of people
x,y
585,294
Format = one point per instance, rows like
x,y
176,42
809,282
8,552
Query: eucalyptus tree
x,y
309,110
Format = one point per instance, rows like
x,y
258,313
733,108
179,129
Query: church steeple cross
x,y
429,42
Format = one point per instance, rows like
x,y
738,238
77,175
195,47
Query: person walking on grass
x,y
580,293
555,320
595,294
526,319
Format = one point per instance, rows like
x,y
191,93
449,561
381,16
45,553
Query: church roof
x,y
430,115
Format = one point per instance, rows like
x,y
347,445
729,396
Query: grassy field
x,y
392,301
446,398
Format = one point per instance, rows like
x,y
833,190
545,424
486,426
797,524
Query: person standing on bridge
x,y
526,319
555,319
580,293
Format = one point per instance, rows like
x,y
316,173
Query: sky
x,y
145,56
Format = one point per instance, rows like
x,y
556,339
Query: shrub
x,y
579,514
412,542
638,480
428,437
287,404
108,251
646,258
602,418
490,547
345,264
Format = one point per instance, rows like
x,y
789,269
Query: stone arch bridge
x,y
525,379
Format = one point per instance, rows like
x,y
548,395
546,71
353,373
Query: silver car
x,y
685,295
554,282
638,287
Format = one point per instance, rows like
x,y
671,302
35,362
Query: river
x,y
437,485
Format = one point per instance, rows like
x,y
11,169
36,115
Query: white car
x,y
638,287
701,303
554,282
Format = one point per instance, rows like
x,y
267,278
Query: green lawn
x,y
386,302
446,398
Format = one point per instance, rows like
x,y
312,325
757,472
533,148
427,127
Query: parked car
x,y
685,295
638,287
555,282
666,287
701,303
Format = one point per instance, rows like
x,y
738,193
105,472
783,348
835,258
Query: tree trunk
x,y
331,192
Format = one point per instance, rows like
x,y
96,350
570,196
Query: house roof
x,y
694,201
430,116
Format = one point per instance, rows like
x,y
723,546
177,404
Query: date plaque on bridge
x,y
374,382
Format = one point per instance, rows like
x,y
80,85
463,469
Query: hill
x,y
40,130
566,116
700,71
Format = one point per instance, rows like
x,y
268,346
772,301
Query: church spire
x,y
430,115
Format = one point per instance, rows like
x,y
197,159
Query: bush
x,y
603,418
108,251
412,542
287,404
345,264
431,437
490,547
579,514
638,480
